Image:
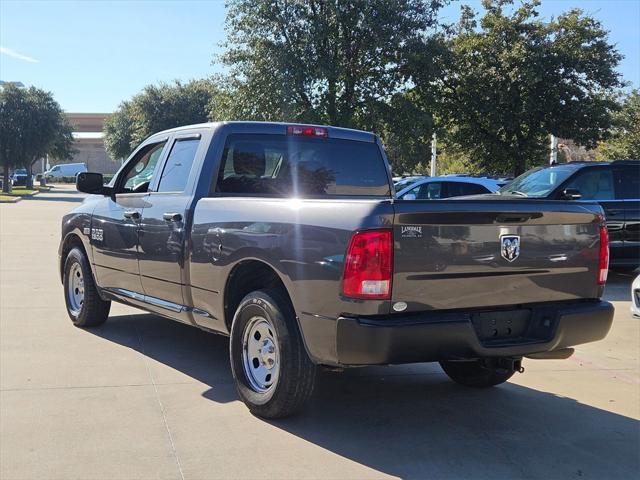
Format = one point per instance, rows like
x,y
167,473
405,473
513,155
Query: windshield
x,y
405,182
538,182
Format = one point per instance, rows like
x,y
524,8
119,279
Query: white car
x,y
65,170
432,188
635,297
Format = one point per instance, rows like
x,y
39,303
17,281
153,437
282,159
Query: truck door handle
x,y
132,214
172,217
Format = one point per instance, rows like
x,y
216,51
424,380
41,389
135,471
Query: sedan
x,y
433,188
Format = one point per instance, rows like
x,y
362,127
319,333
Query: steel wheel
x,y
260,355
75,289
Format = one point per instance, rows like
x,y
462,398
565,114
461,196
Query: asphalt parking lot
x,y
148,398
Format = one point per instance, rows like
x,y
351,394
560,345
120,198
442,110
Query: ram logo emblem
x,y
510,247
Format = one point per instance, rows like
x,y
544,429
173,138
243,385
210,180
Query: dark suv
x,y
615,186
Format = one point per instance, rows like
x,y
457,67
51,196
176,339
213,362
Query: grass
x,y
20,192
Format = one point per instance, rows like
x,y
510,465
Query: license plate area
x,y
501,326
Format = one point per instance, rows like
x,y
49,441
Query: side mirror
x,y
571,194
409,196
89,182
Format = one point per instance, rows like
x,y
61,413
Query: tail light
x,y
300,130
368,265
603,262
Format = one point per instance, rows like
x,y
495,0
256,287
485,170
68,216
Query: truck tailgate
x,y
492,251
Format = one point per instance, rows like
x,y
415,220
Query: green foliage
x,y
335,62
624,143
156,108
32,125
405,129
508,80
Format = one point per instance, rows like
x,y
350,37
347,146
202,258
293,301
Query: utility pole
x,y
433,155
553,156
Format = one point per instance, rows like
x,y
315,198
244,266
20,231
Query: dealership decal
x,y
411,231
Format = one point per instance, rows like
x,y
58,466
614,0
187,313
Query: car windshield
x,y
405,182
538,182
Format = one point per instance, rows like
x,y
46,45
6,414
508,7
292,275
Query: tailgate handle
x,y
515,217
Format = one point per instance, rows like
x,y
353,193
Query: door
x,y
597,184
162,226
115,224
627,179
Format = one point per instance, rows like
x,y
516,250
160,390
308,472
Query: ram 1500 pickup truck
x,y
288,239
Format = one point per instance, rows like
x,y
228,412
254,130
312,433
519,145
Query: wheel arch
x,y
246,276
72,240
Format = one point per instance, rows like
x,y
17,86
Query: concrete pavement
x,y
144,397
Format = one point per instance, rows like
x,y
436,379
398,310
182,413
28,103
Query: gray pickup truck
x,y
288,239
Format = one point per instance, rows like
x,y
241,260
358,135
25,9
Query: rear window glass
x,y
284,166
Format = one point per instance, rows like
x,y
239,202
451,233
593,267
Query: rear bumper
x,y
444,335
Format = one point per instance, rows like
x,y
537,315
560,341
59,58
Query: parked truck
x,y
288,239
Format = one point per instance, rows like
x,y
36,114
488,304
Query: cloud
x,y
12,53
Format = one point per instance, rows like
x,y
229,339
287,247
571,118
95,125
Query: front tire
x,y
84,305
273,373
481,373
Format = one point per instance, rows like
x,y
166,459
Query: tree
x,y
510,80
319,61
156,108
624,143
32,125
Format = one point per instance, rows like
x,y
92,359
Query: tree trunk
x,y
6,186
29,182
520,166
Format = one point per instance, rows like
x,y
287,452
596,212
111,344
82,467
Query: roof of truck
x,y
265,124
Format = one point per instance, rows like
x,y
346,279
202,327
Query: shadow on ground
x,y
618,287
411,421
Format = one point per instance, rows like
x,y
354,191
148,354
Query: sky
x,y
94,54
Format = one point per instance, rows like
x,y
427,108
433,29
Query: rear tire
x,y
273,373
84,305
480,373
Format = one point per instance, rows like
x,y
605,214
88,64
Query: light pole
x,y
433,155
553,155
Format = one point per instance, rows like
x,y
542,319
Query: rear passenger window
x,y
459,189
628,182
178,166
594,184
283,166
431,191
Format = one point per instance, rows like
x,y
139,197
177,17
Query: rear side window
x,y
459,189
178,166
628,182
283,166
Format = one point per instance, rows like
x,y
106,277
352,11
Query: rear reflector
x,y
319,132
603,261
368,265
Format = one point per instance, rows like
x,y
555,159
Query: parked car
x,y
431,188
19,177
615,186
65,170
288,239
635,297
403,182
